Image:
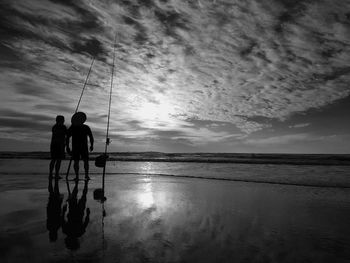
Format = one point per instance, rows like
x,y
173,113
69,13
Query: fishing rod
x,y
85,84
109,114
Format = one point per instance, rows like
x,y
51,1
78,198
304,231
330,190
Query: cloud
x,y
280,140
299,125
240,62
299,143
91,46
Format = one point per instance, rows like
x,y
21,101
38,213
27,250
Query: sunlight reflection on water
x,y
145,196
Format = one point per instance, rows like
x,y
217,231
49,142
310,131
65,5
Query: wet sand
x,y
174,219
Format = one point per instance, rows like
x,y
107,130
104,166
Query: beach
x,y
220,128
177,212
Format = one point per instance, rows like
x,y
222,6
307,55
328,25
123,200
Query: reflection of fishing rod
x,y
68,188
103,232
76,109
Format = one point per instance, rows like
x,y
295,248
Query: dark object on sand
x,y
99,195
78,118
100,160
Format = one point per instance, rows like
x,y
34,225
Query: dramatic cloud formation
x,y
190,75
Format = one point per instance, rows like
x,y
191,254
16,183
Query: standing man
x,y
59,131
80,133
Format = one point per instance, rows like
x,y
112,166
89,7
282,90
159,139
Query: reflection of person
x,y
79,133
75,225
59,131
53,210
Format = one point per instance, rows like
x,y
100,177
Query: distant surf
x,y
245,158
20,170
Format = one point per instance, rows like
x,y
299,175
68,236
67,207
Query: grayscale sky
x,y
191,76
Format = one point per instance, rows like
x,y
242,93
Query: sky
x,y
263,76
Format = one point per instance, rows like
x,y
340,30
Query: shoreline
x,y
283,159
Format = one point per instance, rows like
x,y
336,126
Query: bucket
x,y
100,160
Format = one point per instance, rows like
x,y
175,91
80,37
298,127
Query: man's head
x,y
59,119
78,118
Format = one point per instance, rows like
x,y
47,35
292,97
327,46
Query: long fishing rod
x,y
108,116
85,84
76,109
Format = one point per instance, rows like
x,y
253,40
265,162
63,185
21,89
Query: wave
x,y
244,180
244,158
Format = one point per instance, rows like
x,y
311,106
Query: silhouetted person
x,y
79,133
75,225
59,132
53,210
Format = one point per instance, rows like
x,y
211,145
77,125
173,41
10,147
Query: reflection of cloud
x,y
218,61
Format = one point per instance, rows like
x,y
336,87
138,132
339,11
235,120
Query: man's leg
x,y
57,168
76,168
56,187
52,165
86,167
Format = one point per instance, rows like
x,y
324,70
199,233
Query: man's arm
x,y
68,135
91,138
63,221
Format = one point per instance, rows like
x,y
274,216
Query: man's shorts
x,y
80,153
57,151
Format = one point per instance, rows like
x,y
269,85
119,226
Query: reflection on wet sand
x,y
166,219
145,196
54,210
74,225
71,217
